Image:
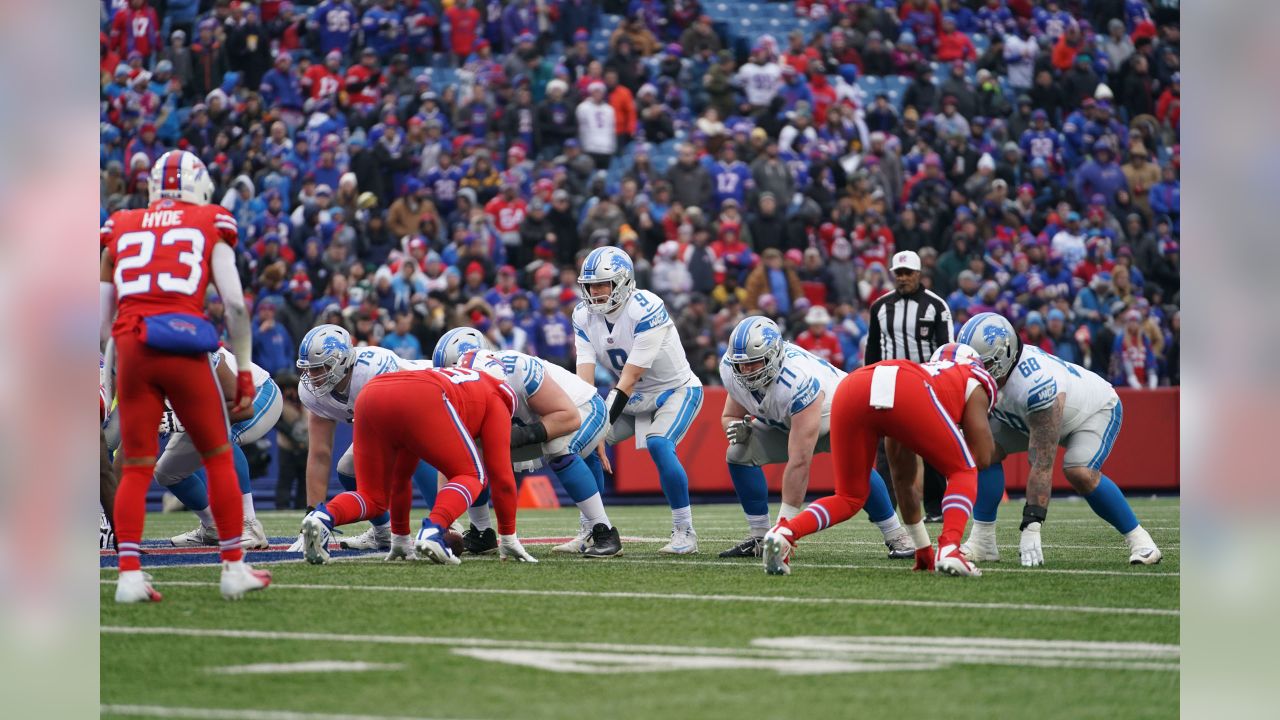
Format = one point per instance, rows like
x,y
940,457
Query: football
x,y
454,539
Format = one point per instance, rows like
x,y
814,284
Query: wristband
x,y
620,400
522,435
1032,514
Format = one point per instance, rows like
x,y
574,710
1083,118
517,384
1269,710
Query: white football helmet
x,y
957,353
454,343
180,175
324,358
755,339
611,265
994,339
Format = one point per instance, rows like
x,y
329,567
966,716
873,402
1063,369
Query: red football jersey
x,y
162,256
952,382
466,389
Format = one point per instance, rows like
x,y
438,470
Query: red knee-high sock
x,y
957,506
227,506
454,499
352,506
822,514
131,511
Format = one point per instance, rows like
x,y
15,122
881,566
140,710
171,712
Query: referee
x,y
909,324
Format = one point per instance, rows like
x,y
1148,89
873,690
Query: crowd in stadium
x,y
402,167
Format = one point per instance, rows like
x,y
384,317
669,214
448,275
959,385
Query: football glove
x,y
509,548
738,432
1029,546
924,559
245,389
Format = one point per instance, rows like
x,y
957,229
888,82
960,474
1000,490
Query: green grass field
x,y
645,636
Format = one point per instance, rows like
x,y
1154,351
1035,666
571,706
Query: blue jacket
x,y
281,89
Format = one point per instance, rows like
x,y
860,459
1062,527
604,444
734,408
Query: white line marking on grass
x,y
901,566
783,600
309,666
167,711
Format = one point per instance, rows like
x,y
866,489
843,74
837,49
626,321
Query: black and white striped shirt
x,y
908,327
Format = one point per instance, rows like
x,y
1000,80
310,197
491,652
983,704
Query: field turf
x,y
849,633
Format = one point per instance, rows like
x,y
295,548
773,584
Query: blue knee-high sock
x,y
575,476
879,507
597,470
482,499
349,484
675,483
1109,503
242,468
990,492
424,478
753,491
192,491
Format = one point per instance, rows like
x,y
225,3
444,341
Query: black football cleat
x,y
479,542
749,548
605,542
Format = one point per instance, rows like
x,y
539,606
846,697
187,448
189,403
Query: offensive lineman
x,y
155,268
657,395
778,409
1047,402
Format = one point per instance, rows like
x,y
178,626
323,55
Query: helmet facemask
x,y
605,304
760,377
322,377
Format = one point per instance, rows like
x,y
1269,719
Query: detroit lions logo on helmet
x,y
770,333
332,344
991,333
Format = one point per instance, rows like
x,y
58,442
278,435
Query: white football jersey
x,y
760,82
802,376
370,362
526,375
609,342
1034,384
224,355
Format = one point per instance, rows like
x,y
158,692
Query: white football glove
x,y
1029,546
169,423
738,432
509,547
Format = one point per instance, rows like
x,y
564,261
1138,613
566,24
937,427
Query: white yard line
x,y
690,597
308,666
167,711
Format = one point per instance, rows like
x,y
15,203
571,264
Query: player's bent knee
x,y
561,462
1083,478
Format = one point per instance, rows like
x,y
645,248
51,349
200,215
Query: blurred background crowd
x,y
402,167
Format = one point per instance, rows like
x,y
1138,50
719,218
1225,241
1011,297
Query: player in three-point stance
x,y
156,266
1046,402
923,407
657,395
332,372
434,415
778,409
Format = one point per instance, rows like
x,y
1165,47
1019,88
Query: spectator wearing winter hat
x,y
1133,362
1101,175
1034,332
1141,175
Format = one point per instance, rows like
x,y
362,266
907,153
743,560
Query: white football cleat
x,y
981,545
430,544
578,544
297,544
239,578
254,537
900,544
315,539
1142,549
375,538
401,549
777,548
202,536
134,586
684,541
953,562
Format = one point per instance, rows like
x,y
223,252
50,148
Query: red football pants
x,y
918,421
399,423
145,377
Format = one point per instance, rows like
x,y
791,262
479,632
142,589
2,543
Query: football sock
x,y
786,512
990,492
578,481
753,493
348,483
246,506
205,515
1109,504
682,517
347,507
224,497
957,506
479,516
454,498
822,514
675,483
242,469
130,511
424,478
879,507
597,470
593,510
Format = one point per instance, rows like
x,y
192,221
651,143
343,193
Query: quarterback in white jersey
x,y
1046,402
657,395
333,372
778,409
561,418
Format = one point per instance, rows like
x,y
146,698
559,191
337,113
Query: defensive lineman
x,y
657,395
778,409
1046,402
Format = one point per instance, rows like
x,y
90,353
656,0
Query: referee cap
x,y
907,259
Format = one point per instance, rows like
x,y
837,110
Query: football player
x,y
1046,403
436,415
778,409
657,396
923,407
157,263
561,418
332,372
